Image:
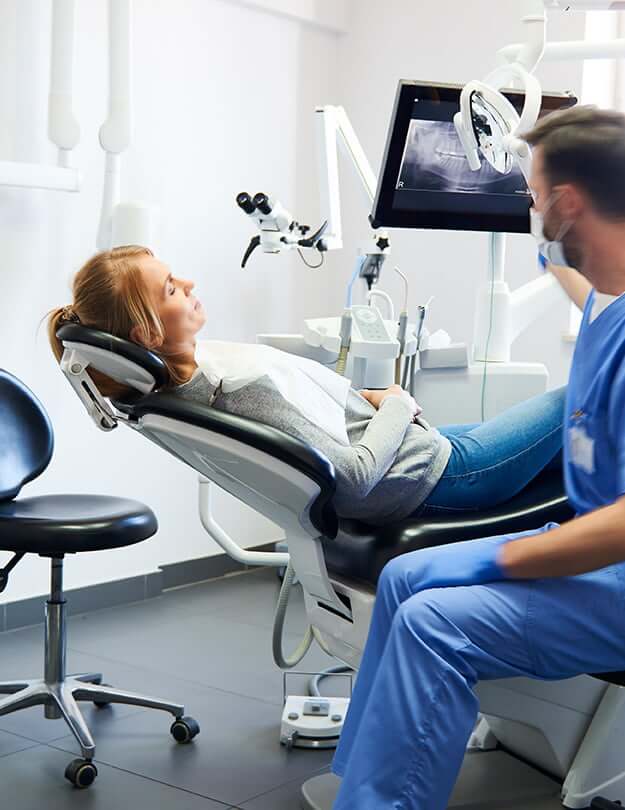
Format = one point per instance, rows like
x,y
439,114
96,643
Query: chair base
x,y
60,699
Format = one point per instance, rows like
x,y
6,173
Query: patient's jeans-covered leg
x,y
493,461
417,705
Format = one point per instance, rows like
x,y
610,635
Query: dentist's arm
x,y
573,283
584,544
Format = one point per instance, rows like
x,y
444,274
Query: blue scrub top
x,y
594,421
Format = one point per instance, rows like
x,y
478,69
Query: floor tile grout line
x,y
144,776
178,678
300,779
34,744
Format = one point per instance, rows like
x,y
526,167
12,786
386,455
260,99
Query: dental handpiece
x,y
421,310
401,337
346,339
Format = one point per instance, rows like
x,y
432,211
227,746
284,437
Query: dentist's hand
x,y
376,398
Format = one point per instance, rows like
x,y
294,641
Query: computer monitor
x,y
425,180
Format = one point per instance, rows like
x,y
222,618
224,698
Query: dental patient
x,y
390,464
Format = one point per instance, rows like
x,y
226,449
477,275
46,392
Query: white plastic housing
x,y
134,224
115,133
63,129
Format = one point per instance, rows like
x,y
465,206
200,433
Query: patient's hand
x,y
376,398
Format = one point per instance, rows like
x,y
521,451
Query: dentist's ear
x,y
137,335
571,201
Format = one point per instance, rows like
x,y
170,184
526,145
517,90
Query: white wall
x,y
220,90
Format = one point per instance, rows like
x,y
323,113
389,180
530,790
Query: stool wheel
x,y
184,729
100,704
81,773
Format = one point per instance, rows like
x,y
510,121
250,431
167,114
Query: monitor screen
x,y
425,180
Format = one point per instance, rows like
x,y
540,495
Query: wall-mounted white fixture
x,y
63,129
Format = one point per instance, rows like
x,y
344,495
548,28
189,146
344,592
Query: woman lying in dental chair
x,y
389,462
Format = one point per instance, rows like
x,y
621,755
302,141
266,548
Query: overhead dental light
x,y
488,126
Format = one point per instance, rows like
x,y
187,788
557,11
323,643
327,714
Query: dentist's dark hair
x,y
110,294
585,146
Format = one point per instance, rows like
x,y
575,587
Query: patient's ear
x,y
138,335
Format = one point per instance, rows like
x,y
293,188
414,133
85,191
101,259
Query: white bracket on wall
x,y
63,129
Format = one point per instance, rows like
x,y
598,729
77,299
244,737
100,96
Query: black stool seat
x,y
360,551
64,524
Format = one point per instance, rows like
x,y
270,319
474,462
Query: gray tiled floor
x,y
208,646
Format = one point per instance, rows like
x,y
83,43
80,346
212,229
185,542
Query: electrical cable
x,y
490,324
284,661
360,260
312,266
313,683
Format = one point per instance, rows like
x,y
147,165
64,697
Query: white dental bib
x,y
317,392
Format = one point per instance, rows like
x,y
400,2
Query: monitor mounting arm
x,y
333,129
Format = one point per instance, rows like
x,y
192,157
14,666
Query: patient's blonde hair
x,y
110,294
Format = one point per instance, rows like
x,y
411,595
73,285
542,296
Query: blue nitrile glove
x,y
471,562
542,262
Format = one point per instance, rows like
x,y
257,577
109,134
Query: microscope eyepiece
x,y
261,201
244,201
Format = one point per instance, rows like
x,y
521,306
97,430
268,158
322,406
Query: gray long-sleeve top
x,y
385,473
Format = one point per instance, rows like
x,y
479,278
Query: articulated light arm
x,y
334,127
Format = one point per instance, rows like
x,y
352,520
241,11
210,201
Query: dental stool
x,y
53,526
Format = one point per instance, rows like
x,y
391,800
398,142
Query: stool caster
x,y
100,704
81,773
184,729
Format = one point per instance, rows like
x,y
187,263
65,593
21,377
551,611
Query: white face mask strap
x,y
566,225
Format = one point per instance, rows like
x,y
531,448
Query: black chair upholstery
x,y
152,363
360,552
52,525
26,437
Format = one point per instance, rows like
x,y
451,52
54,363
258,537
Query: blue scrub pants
x,y
413,708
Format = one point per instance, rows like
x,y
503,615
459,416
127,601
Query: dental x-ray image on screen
x,y
426,182
435,161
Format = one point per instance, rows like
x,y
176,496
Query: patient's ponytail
x,y
110,294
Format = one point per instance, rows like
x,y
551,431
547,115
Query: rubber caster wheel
x,y
100,704
81,773
184,729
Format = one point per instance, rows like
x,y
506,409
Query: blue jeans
x,y
493,461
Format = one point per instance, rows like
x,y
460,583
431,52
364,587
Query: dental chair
x,y
537,743
53,526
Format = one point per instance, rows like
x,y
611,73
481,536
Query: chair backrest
x,y
26,437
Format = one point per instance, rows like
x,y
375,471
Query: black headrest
x,y
152,363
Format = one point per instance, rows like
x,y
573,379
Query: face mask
x,y
551,250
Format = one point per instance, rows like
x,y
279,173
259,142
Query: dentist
x,y
546,604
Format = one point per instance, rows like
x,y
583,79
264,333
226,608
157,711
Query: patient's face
x,y
180,311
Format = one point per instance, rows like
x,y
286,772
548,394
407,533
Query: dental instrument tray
x,y
426,181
